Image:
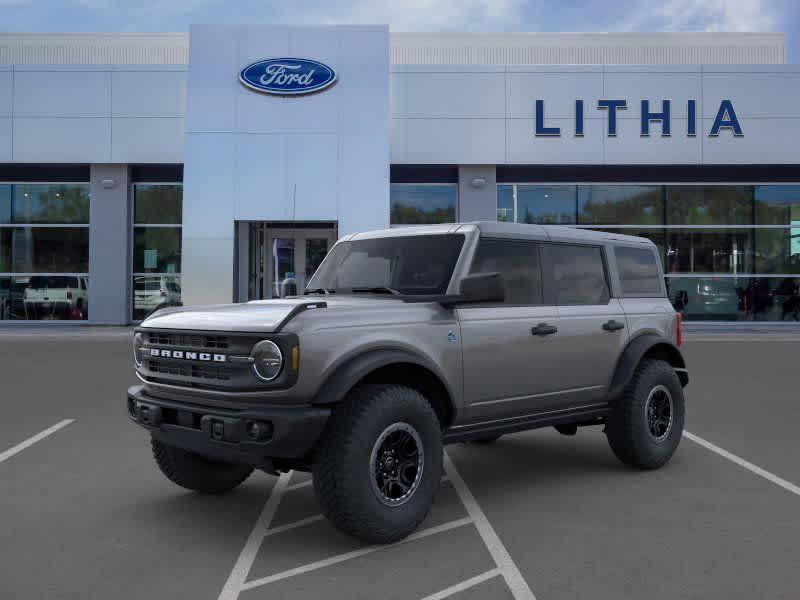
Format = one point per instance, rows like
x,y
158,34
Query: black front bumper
x,y
229,434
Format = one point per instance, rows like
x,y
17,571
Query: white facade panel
x,y
654,86
148,93
630,148
558,90
62,93
765,141
282,157
525,148
454,141
454,95
147,140
753,94
77,140
6,93
5,139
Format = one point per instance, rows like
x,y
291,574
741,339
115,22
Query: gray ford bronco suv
x,y
408,339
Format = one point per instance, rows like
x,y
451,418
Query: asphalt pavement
x,y
84,512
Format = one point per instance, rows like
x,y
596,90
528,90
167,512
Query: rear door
x,y
592,330
507,368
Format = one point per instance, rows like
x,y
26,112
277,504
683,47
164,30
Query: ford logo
x,y
287,76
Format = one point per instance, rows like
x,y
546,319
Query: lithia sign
x,y
726,119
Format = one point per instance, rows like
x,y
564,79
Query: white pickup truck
x,y
56,297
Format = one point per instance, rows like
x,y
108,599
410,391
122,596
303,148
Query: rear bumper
x,y
226,434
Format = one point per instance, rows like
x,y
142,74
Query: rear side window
x,y
574,275
638,272
517,262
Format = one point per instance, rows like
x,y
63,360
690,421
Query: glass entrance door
x,y
283,258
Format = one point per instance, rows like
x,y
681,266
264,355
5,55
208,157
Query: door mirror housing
x,y
482,287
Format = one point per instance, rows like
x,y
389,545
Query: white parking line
x,y
354,554
299,486
293,525
516,583
771,477
233,586
33,439
464,585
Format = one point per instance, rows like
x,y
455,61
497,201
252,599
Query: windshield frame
x,y
315,284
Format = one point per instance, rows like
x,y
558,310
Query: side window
x,y
517,262
638,272
574,275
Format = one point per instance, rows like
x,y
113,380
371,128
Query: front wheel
x,y
195,472
645,424
379,462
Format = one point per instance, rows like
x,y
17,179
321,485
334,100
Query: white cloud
x,y
705,15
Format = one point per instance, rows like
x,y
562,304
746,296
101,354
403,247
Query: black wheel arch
x,y
391,365
646,345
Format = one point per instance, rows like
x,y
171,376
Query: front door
x,y
283,257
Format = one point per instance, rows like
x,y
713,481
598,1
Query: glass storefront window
x,y
422,203
777,205
620,205
151,292
778,250
157,214
44,204
44,251
709,251
709,205
546,205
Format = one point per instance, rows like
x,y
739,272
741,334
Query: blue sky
x,y
414,15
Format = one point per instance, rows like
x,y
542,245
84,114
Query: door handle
x,y
544,329
613,325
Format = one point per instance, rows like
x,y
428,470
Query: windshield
x,y
413,264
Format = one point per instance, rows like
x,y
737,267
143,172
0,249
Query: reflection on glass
x,y
157,249
417,204
151,292
546,204
778,250
654,235
709,251
620,205
44,297
777,205
25,203
709,205
284,282
158,204
316,249
505,203
44,250
736,298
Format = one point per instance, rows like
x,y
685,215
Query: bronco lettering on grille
x,y
181,354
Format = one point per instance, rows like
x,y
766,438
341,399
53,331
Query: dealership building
x,y
145,170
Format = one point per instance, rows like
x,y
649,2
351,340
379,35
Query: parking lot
x,y
84,512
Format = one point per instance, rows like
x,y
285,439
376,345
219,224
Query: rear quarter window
x,y
574,275
639,274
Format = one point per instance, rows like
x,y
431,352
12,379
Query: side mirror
x,y
482,287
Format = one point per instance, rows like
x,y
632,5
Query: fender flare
x,y
636,350
345,376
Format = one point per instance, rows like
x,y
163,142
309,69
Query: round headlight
x,y
138,342
267,360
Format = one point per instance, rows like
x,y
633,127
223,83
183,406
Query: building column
x,y
477,193
109,243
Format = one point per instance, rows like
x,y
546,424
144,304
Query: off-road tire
x,y
195,472
343,470
627,427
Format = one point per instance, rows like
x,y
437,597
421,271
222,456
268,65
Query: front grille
x,y
195,371
210,342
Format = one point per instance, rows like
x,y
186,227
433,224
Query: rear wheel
x,y
645,424
195,472
378,464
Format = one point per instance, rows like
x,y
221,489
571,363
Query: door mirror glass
x,y
483,287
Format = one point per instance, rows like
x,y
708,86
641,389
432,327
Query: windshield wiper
x,y
378,289
320,290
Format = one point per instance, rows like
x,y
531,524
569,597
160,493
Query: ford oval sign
x,y
287,76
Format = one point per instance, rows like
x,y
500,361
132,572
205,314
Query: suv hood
x,y
266,316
